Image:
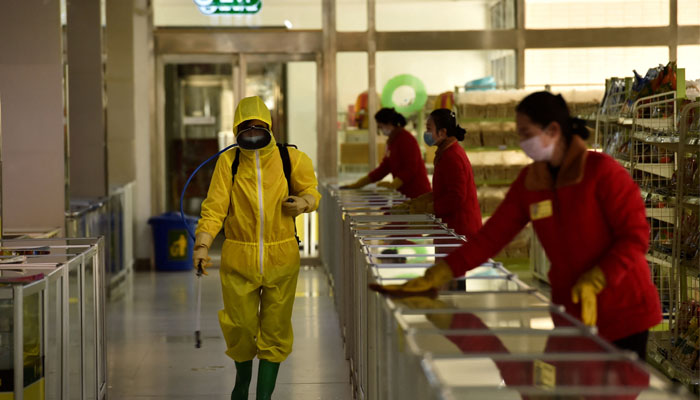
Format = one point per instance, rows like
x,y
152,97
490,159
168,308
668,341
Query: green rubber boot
x,y
244,371
267,376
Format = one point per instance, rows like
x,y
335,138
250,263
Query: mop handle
x,y
197,332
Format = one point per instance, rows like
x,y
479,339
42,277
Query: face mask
x,y
428,138
260,140
534,148
387,131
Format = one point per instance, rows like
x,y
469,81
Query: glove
x,y
200,255
362,182
393,185
292,206
428,285
588,286
441,320
405,206
422,204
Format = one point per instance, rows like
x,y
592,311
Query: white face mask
x,y
387,131
534,148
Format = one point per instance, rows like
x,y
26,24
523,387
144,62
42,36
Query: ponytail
x,y
390,116
544,108
446,119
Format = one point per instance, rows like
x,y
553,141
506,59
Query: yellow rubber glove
x,y
440,320
362,182
395,184
429,284
292,206
423,204
435,277
200,255
586,290
405,206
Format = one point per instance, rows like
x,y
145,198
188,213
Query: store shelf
x,y
667,215
673,370
664,140
691,201
654,124
624,163
665,170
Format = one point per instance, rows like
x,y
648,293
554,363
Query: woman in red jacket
x,y
402,159
589,215
453,198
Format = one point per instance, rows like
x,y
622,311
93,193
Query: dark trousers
x,y
636,343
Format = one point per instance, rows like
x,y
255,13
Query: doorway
x,y
198,96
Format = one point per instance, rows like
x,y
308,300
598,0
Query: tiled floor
x,y
150,328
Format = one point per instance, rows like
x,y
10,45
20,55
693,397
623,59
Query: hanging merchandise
x,y
418,102
657,80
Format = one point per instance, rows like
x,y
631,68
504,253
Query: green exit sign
x,y
217,7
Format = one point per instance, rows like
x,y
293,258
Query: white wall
x,y
301,96
688,12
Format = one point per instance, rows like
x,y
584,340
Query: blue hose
x,y
182,195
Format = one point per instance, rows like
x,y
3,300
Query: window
x,y
588,67
688,12
562,14
689,58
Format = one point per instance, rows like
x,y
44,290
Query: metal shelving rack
x,y
675,349
663,153
657,138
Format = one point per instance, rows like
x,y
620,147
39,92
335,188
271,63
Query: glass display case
x,y
52,308
488,336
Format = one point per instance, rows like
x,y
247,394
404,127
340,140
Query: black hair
x,y
390,116
544,108
446,119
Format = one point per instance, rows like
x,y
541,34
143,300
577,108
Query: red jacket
x,y
454,190
403,160
592,216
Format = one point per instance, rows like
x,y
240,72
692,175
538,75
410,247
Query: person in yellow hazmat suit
x,y
252,198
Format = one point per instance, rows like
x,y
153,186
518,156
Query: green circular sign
x,y
405,80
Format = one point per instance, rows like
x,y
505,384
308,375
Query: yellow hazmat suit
x,y
260,256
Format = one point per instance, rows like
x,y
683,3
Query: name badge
x,y
541,210
545,375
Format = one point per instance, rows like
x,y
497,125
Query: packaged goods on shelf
x,y
500,104
685,347
473,136
491,134
490,197
692,89
657,80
